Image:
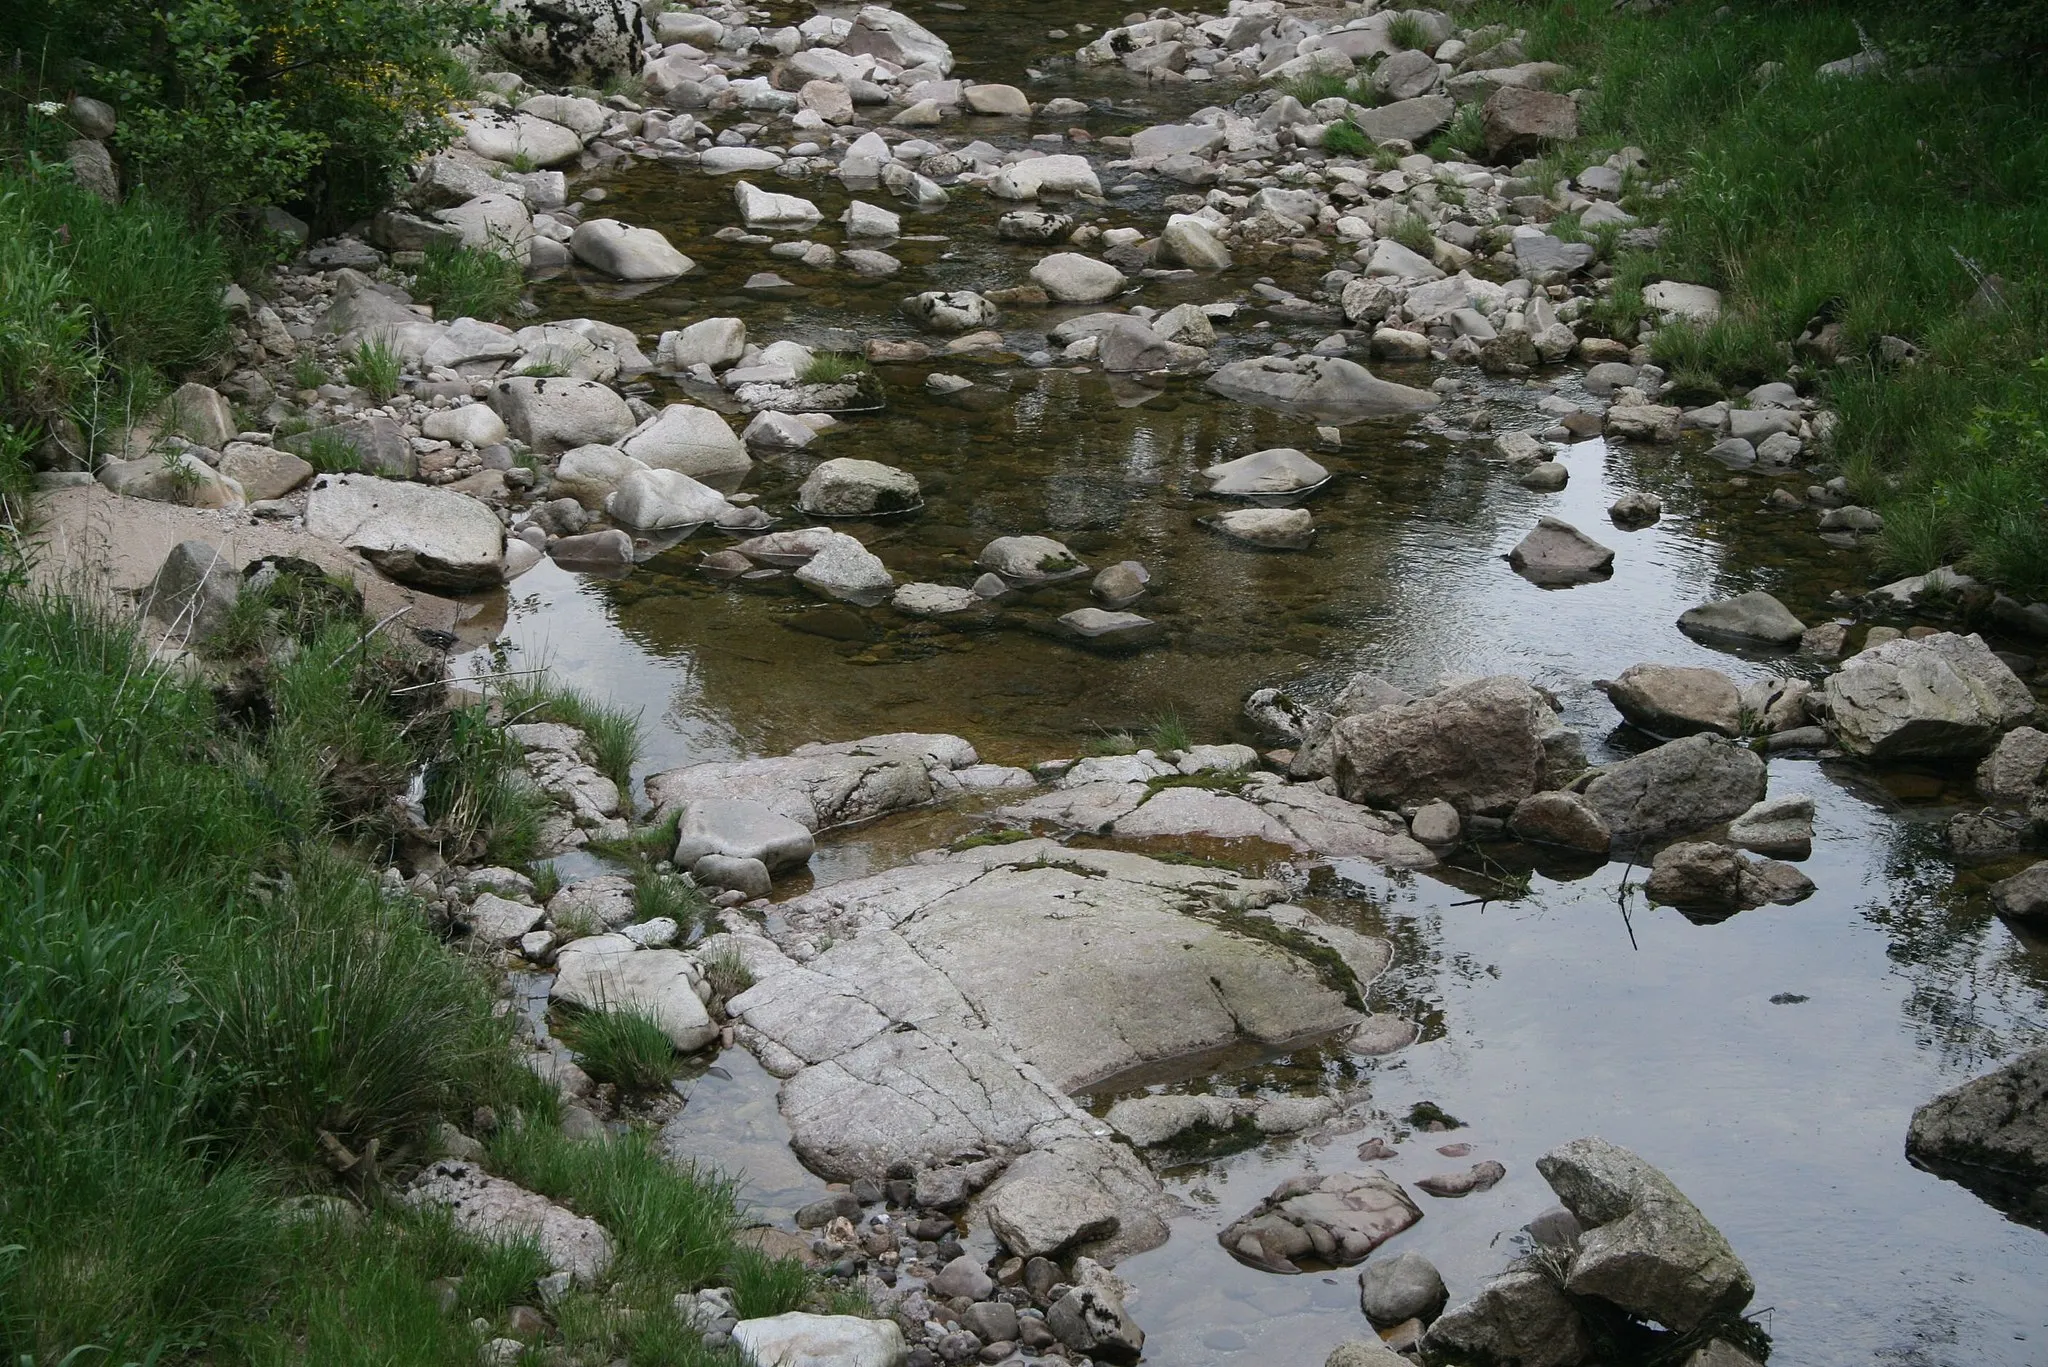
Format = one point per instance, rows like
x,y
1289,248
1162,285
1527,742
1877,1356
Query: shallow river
x,y
1573,1010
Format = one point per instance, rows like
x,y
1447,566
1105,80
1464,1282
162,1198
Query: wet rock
x,y
1753,616
798,1339
1680,787
2024,896
765,209
2011,774
821,785
1071,278
857,488
1060,175
950,311
934,600
1781,827
1557,554
1713,877
964,1276
1034,227
1566,820
844,568
1363,1354
896,38
1116,630
1399,1287
497,1211
716,342
1191,242
1029,559
1092,1320
416,534
1121,584
1481,746
1075,1191
1991,1134
1130,345
1273,529
744,830
1327,387
1676,700
1479,1177
1518,1318
1436,823
1943,696
650,500
1646,1248
625,253
1149,1121
1281,470
1335,1218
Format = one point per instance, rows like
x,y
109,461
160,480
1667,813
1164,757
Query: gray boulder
x,y
1071,278
1517,123
1563,819
570,41
1092,1320
1991,1134
1481,746
1677,700
1781,827
857,488
1335,1218
653,500
1557,554
1273,529
799,1338
626,253
1403,1286
434,538
742,830
1709,878
1030,559
2011,774
496,1211
193,591
1683,786
1327,387
1646,1248
553,415
611,972
1405,120
1753,616
692,441
845,569
950,311
1938,697
1279,471
1519,1319
2024,896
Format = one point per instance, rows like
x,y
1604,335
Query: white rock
x,y
610,972
1072,278
473,423
435,538
610,246
798,1339
1062,174
649,500
763,209
695,441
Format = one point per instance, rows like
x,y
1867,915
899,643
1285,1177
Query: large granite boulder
x,y
1938,697
1991,1134
1519,1319
570,41
435,538
1646,1248
613,973
1481,746
1679,787
800,1339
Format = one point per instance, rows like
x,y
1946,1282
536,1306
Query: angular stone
x,y
846,487
626,253
1281,470
1481,746
1556,554
1563,819
610,972
496,1211
193,591
1781,827
418,535
1518,1318
1683,786
799,1339
1677,700
1991,1134
1937,697
1753,616
1400,1286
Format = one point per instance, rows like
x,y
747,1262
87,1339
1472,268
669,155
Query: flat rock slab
x,y
414,533
1332,1219
798,1339
497,1211
823,785
742,830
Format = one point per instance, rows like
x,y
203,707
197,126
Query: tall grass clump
x,y
373,366
624,1047
467,282
1910,204
614,733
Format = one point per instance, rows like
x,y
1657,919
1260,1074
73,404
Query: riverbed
x,y
1768,1063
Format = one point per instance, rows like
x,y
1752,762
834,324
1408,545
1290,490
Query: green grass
x,y
830,367
1167,731
1883,202
463,282
307,372
1343,139
1407,31
1309,89
763,1286
728,974
100,305
329,452
373,367
615,733
181,1022
1413,232
623,1047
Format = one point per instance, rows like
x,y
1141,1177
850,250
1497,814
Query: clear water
x,y
1545,1018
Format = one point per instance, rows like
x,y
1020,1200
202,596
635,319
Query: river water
x,y
1574,1009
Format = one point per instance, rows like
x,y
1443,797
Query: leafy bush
x,y
319,103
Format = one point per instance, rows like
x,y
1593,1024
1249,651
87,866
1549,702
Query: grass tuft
x,y
373,367
1167,732
831,367
1408,31
466,282
623,1047
763,1286
1343,139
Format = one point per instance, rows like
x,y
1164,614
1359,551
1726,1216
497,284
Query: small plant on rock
x,y
1409,32
1167,732
307,373
468,282
1342,139
830,367
331,453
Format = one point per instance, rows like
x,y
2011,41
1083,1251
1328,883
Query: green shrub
x,y
467,282
319,103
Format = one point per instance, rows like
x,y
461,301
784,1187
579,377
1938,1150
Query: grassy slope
x,y
1884,201
195,979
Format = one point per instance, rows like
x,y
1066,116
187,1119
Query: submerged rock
x,y
1332,1218
1327,387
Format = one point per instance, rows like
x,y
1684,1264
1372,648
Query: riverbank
x,y
1129,456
